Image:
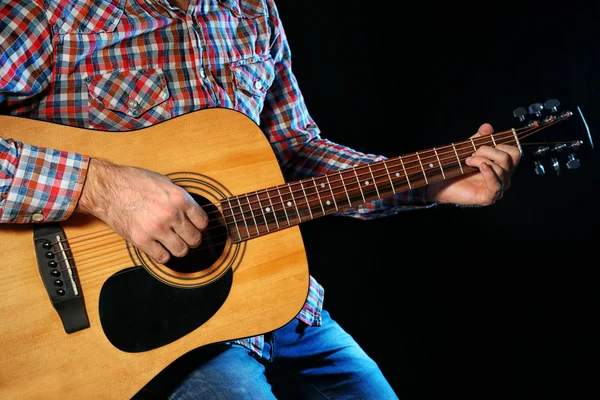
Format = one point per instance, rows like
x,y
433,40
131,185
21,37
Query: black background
x,y
456,298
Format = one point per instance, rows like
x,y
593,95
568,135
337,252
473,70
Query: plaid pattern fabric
x,y
116,65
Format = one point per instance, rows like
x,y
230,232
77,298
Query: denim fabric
x,y
298,362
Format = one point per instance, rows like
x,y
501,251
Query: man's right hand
x,y
146,208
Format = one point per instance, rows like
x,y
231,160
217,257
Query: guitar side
x,y
269,283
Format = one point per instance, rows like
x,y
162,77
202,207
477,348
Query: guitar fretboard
x,y
268,210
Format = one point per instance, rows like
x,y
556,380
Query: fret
x,y
374,181
517,140
439,163
473,143
307,201
332,195
262,211
405,174
312,193
422,169
253,217
458,158
319,196
345,190
324,189
294,202
283,206
389,176
244,218
234,220
273,208
359,186
493,140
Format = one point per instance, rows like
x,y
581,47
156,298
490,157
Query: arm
x,y
41,185
303,152
36,184
297,140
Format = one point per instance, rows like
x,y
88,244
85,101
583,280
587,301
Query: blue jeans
x,y
299,362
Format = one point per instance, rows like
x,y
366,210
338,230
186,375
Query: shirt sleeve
x,y
36,184
297,141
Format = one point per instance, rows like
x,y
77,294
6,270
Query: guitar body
x,y
213,153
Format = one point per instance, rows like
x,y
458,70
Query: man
x,y
118,65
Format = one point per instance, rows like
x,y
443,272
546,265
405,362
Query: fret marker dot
x,y
322,185
328,202
397,173
430,165
289,203
366,183
268,209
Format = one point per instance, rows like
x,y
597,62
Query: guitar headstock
x,y
555,154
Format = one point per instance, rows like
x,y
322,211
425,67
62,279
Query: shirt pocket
x,y
86,16
127,100
252,79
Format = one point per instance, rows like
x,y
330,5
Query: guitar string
x,y
316,196
533,129
127,260
392,162
308,203
126,256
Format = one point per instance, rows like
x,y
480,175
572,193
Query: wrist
x,y
96,187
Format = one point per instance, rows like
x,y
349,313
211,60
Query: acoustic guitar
x,y
85,315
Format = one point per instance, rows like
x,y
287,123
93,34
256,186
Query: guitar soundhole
x,y
214,238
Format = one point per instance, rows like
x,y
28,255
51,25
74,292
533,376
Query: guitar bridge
x,y
57,269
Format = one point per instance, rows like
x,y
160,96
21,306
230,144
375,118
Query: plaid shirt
x,y
118,65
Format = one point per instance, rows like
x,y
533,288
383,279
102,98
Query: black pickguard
x,y
139,313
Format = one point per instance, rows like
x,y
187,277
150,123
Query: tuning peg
x,y
536,109
539,168
552,104
541,150
559,147
576,144
520,113
573,163
555,165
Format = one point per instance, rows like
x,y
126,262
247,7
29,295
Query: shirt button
x,y
203,73
133,104
258,85
37,217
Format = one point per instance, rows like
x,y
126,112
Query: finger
x,y
476,161
502,174
155,251
498,156
513,151
174,244
484,129
492,182
187,231
197,216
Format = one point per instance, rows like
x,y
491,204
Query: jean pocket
x,y
125,100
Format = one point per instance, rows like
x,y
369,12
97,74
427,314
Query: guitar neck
x,y
268,210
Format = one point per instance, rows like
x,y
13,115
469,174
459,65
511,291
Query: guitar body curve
x,y
269,274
